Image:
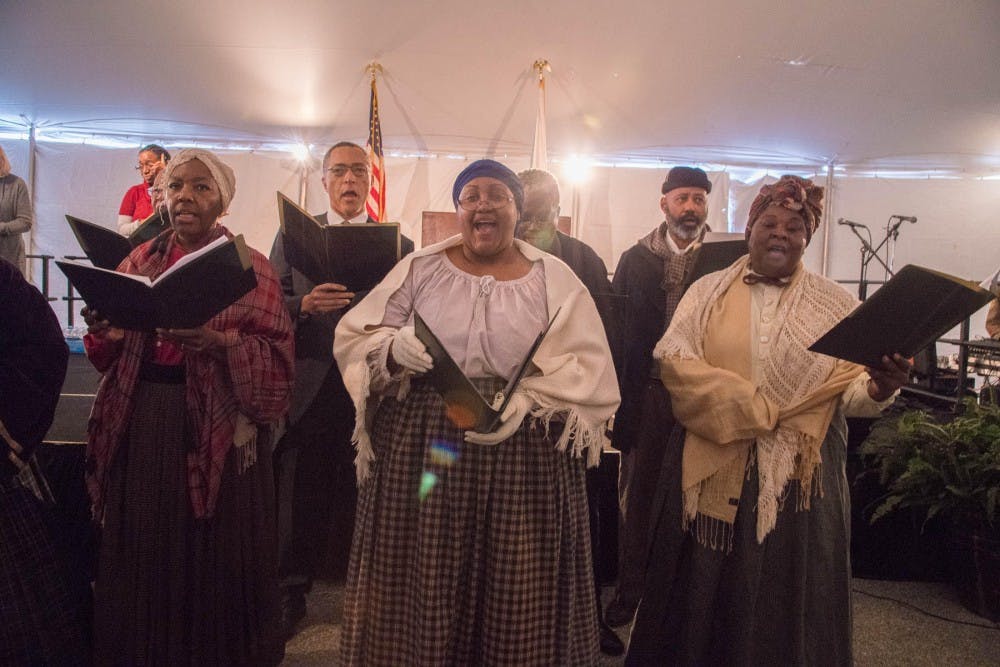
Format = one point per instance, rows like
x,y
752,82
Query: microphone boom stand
x,y
868,253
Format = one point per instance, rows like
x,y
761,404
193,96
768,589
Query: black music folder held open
x,y
464,405
106,248
717,251
188,294
354,255
916,307
150,228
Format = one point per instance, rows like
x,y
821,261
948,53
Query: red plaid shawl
x,y
255,379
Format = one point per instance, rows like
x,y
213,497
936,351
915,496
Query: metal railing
x,y
71,297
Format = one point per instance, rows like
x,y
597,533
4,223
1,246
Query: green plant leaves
x,y
949,469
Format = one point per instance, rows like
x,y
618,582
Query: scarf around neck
x,y
705,364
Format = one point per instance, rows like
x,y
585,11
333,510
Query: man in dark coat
x,y
40,622
538,227
652,277
317,445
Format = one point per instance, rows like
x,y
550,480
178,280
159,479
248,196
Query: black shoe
x,y
610,644
618,614
293,610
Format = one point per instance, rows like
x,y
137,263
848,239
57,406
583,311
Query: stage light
x,y
301,152
576,169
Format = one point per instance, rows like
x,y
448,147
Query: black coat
x,y
638,278
33,357
314,333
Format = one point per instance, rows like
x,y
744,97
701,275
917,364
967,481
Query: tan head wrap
x,y
794,193
221,172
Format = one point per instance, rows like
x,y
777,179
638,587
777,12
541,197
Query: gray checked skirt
x,y
468,554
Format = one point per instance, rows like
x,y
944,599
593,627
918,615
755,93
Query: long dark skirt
x,y
41,623
784,602
173,590
468,554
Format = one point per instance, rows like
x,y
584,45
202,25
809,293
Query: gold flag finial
x,y
541,66
373,69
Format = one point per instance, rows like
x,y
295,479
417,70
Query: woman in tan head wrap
x,y
751,562
179,461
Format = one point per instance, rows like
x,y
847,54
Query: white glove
x,y
407,351
510,420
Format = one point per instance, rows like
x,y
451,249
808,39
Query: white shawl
x,y
576,379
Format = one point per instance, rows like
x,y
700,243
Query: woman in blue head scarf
x,y
470,547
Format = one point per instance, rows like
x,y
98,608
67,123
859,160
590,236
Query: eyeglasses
x,y
471,201
340,170
147,165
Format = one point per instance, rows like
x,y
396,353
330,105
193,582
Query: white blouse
x,y
486,325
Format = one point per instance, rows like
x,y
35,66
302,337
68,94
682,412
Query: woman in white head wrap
x,y
187,566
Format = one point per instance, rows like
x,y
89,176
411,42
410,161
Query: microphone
x,y
842,221
905,218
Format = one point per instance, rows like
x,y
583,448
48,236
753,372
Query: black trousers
x,y
324,494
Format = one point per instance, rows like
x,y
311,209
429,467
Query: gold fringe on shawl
x,y
705,366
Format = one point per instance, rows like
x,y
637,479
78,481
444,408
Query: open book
x,y
465,406
717,251
916,307
106,248
354,255
192,291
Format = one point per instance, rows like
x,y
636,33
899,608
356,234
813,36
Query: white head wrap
x,y
221,172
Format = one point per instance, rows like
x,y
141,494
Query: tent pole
x,y
303,184
32,160
825,265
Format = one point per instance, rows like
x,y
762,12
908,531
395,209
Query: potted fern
x,y
949,471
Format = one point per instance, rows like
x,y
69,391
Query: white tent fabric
x,y
864,85
903,88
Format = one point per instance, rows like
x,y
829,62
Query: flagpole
x,y
539,152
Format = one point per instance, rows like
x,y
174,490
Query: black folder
x,y
916,307
464,405
717,251
354,255
150,228
106,248
187,295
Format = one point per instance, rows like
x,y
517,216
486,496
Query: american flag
x,y
376,195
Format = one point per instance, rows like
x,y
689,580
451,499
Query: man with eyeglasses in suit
x,y
317,445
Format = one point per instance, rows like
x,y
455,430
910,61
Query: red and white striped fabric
x,y
376,195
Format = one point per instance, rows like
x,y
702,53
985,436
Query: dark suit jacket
x,y
639,276
313,333
592,272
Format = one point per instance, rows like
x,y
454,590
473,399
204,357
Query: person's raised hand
x,y
407,351
97,325
326,298
885,380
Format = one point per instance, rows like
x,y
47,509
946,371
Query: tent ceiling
x,y
890,84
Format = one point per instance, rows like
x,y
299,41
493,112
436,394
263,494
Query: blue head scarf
x,y
492,169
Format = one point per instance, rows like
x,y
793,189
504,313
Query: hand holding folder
x,y
916,307
465,406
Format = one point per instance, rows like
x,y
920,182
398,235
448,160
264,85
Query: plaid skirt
x,y
173,590
40,621
466,554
